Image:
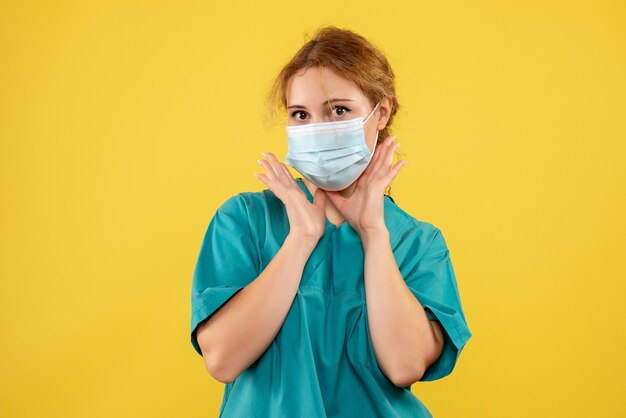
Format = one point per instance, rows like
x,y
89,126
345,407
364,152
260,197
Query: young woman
x,y
319,296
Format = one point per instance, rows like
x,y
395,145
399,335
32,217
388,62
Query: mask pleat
x,y
331,155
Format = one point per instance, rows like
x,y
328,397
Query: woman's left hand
x,y
364,210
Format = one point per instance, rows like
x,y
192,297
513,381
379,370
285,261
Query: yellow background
x,y
124,125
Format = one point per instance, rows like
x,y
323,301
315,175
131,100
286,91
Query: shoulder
x,y
244,203
405,227
253,207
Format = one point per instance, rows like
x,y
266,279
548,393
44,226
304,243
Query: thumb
x,y
319,199
332,196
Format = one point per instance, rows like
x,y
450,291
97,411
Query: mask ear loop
x,y
375,143
371,113
365,121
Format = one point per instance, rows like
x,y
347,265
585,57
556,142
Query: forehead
x,y
305,86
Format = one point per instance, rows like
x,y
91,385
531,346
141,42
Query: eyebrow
x,y
326,102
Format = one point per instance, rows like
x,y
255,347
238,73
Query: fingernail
x,y
263,154
259,161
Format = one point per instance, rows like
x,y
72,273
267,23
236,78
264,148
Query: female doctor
x,y
319,296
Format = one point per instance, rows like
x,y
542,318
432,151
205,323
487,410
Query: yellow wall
x,y
123,127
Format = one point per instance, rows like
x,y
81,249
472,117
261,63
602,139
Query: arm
x,y
405,341
241,330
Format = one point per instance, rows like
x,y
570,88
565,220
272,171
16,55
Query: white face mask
x,y
331,155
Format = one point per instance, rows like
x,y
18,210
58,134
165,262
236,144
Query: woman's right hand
x,y
306,220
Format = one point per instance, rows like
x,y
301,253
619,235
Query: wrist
x,y
305,242
373,235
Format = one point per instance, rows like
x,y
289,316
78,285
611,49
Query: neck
x,y
346,193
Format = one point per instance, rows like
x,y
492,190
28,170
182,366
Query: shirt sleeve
x,y
424,261
228,261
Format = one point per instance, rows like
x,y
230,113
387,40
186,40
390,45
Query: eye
x,y
295,114
341,110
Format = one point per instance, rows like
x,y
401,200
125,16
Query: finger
x,y
280,174
377,151
334,197
363,178
275,186
263,178
289,176
319,198
395,170
380,147
392,149
383,152
271,174
383,156
368,169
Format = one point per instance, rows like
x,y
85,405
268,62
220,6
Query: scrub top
x,y
322,363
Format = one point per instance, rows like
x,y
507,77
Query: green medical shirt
x,y
322,363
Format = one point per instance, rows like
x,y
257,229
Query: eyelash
x,y
293,115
